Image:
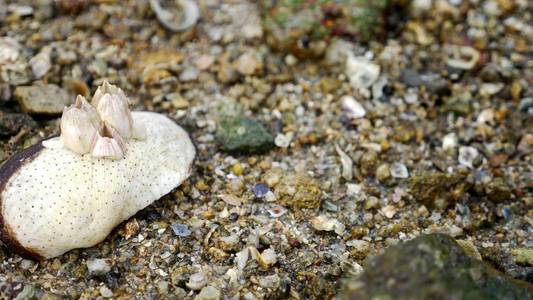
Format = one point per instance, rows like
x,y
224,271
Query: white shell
x,y
61,201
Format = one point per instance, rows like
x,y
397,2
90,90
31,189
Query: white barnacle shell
x,y
108,143
52,199
79,124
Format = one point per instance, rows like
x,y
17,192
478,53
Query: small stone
x,y
371,202
323,223
197,281
283,140
269,257
389,211
270,282
243,136
180,230
383,172
42,99
449,142
361,72
41,63
470,249
399,170
106,292
353,109
208,293
467,155
297,190
204,62
237,169
526,144
523,256
189,74
439,189
249,64
526,105
9,50
498,190
98,266
260,190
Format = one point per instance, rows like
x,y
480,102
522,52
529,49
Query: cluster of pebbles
x,y
305,167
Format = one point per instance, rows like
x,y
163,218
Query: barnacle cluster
x,y
101,127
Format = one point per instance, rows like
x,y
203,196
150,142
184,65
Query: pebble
x,y
208,293
41,63
323,223
243,135
523,256
449,142
467,155
189,74
283,140
9,50
526,144
270,282
197,281
399,170
260,190
361,72
383,172
106,292
249,64
352,108
43,99
180,230
98,266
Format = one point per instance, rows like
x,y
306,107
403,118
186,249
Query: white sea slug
x,y
70,191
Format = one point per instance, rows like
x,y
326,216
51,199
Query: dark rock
x,y
240,135
432,267
11,123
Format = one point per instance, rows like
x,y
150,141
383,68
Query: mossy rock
x,y
432,266
294,25
241,135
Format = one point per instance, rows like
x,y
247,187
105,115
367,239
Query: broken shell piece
x,y
177,19
323,223
79,199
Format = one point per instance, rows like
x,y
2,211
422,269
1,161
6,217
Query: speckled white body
x,y
61,200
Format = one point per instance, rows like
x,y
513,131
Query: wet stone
x,y
243,135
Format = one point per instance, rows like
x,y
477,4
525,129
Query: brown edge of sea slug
x,y
10,167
